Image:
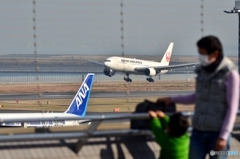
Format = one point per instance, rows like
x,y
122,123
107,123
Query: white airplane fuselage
x,y
77,108
40,123
139,67
128,65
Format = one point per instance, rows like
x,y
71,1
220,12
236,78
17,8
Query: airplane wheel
x,y
150,80
130,80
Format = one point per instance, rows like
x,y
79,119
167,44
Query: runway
x,y
34,96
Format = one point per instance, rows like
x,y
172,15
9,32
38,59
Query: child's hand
x,y
160,114
152,114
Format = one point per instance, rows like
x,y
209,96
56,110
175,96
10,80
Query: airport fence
x,y
98,78
82,136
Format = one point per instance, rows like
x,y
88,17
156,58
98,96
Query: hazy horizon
x,y
161,55
90,27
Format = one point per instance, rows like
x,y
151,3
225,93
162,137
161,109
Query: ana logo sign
x,y
81,95
168,56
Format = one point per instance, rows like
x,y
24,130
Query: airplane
x,y
78,107
139,67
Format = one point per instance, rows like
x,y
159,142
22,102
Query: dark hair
x,y
211,44
178,125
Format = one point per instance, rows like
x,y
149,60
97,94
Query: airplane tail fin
x,y
79,103
167,56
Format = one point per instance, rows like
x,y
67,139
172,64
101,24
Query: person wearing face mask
x,y
216,100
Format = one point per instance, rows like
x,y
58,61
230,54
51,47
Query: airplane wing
x,y
159,68
95,62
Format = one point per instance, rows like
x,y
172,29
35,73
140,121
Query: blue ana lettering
x,y
81,95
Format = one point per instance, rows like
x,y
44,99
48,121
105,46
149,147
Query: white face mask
x,y
204,60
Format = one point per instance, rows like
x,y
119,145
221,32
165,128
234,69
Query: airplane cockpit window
x,y
107,61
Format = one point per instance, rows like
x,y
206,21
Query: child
x,y
171,134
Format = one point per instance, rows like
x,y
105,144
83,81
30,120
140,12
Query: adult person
x,y
216,100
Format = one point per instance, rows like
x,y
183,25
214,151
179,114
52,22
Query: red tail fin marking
x,y
168,56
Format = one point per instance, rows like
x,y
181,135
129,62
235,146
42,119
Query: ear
x,y
216,54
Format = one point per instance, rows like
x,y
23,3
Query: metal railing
x,y
89,117
51,78
83,136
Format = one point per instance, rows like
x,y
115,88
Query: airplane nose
x,y
106,63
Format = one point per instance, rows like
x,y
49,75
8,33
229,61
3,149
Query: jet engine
x,y
108,72
150,72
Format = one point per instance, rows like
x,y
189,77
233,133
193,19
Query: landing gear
x,y
127,78
150,79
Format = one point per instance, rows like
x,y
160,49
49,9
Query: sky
x,y
93,27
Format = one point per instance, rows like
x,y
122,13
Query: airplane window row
x,y
12,123
136,62
124,60
35,123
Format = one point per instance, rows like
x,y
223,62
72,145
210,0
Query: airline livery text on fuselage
x,y
131,61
